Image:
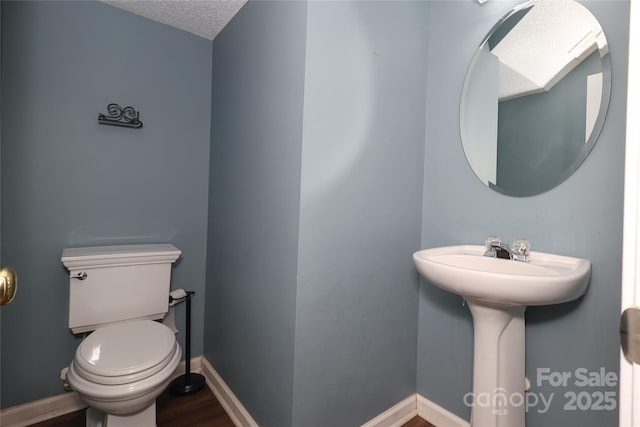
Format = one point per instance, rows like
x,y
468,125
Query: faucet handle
x,y
492,242
521,248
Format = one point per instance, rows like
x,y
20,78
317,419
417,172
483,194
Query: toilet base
x,y
144,418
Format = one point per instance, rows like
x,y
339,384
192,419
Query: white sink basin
x,y
464,270
498,291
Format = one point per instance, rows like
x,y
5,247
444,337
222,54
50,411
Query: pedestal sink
x,y
498,291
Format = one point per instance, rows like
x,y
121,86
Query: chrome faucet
x,y
518,251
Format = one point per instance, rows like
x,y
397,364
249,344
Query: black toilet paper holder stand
x,y
188,382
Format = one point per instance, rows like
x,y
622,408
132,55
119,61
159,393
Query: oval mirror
x,y
535,97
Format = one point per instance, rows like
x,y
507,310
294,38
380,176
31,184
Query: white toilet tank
x,y
112,284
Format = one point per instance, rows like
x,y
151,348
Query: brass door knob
x,y
8,285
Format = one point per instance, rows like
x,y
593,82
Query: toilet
x,y
117,294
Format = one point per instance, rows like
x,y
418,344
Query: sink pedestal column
x,y
498,365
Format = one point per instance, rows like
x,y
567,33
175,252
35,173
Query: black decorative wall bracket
x,y
118,116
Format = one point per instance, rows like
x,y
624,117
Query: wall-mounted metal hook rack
x,y
118,116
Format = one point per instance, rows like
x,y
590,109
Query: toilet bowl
x,y
119,370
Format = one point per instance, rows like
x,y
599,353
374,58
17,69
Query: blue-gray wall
x,y
308,266
534,155
68,181
256,134
582,217
361,189
312,217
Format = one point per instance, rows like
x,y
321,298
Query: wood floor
x,y
417,422
200,409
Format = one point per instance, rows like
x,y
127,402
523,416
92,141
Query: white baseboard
x,y
238,414
437,415
40,410
397,415
416,405
51,407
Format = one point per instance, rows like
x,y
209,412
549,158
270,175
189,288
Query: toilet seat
x,y
125,353
127,397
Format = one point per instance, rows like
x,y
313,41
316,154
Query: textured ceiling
x,y
205,18
549,41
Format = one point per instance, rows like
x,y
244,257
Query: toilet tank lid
x,y
101,256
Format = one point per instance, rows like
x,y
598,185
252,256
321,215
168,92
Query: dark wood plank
x,y
417,422
74,419
200,409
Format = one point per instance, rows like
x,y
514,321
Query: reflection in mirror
x,y
535,97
